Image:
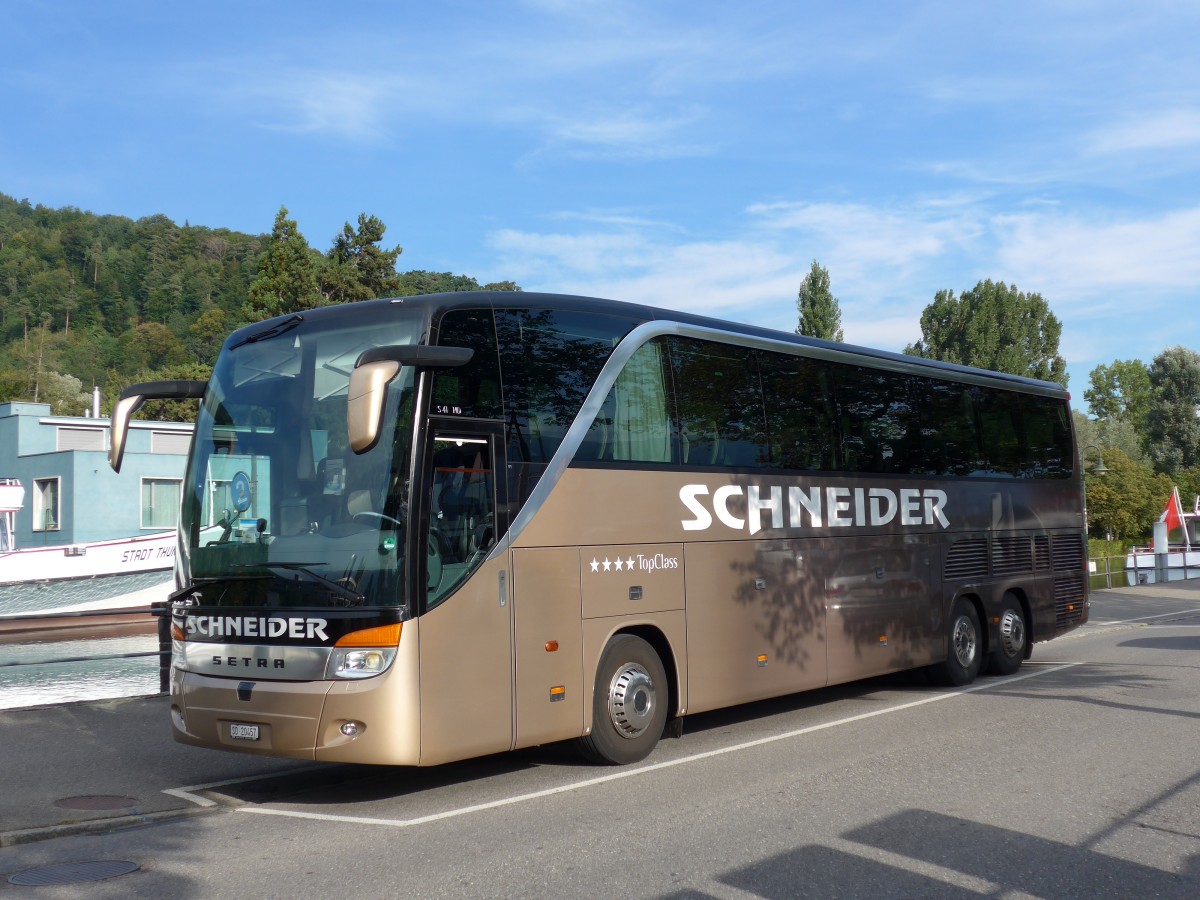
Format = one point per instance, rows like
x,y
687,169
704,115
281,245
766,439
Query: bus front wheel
x,y
629,703
964,648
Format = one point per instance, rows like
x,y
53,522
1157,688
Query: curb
x,y
97,826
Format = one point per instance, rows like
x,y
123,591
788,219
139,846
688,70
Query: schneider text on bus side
x,y
815,507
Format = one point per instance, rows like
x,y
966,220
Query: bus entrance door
x,y
465,633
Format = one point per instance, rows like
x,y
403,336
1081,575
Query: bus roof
x,y
434,304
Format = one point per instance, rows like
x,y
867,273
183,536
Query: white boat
x,y
111,574
1182,559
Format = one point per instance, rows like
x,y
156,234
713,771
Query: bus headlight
x,y
365,653
359,662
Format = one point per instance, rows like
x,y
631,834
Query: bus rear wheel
x,y
629,703
1010,645
964,648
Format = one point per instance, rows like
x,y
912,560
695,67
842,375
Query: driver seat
x,y
358,502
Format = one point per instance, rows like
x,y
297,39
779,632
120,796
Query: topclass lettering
x,y
301,628
815,507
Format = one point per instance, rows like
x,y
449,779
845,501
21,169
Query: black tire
x,y
964,648
629,703
1012,635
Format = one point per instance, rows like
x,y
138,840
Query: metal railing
x,y
158,611
1113,571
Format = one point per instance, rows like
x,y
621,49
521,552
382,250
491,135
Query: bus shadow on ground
x,y
337,784
945,856
348,784
1187,642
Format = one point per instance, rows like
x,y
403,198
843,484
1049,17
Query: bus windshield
x,y
278,511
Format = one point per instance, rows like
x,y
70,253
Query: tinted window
x,y
550,360
472,390
1002,433
876,428
719,399
946,427
739,408
799,412
1047,438
634,424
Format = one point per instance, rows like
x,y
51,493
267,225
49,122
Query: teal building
x,y
71,494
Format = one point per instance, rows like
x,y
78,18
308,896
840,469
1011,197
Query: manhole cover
x,y
74,873
96,801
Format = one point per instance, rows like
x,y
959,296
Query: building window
x,y
176,442
81,438
47,513
160,502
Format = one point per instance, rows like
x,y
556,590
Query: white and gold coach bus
x,y
430,528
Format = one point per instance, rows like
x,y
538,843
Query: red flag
x,y
1173,514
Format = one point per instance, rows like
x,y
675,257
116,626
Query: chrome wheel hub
x,y
964,641
1012,634
631,700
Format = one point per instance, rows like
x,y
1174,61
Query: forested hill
x,y
88,299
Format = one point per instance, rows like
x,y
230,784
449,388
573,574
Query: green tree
x,y
206,335
1126,500
65,394
356,267
159,410
1106,434
418,281
287,274
993,326
150,345
162,285
1188,481
1120,391
76,287
1172,431
820,312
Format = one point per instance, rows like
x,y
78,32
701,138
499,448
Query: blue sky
x,y
696,155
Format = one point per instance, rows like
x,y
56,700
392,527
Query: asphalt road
x,y
1078,777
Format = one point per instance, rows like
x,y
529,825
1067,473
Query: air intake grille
x,y
1070,590
1041,551
1011,556
967,561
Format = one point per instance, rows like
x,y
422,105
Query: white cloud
x,y
642,132
861,237
1102,263
1164,130
738,279
348,106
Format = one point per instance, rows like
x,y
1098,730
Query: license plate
x,y
241,732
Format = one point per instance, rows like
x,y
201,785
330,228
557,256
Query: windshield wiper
x,y
303,568
274,331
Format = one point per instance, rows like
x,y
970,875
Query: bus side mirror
x,y
373,371
365,401
131,401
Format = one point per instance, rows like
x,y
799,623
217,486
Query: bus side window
x,y
462,527
633,424
719,394
797,412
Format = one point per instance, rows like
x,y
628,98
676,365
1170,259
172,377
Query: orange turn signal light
x,y
551,646
379,636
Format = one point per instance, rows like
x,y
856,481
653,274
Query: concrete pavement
x,y
100,765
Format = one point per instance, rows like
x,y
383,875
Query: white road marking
x,y
188,793
1182,612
